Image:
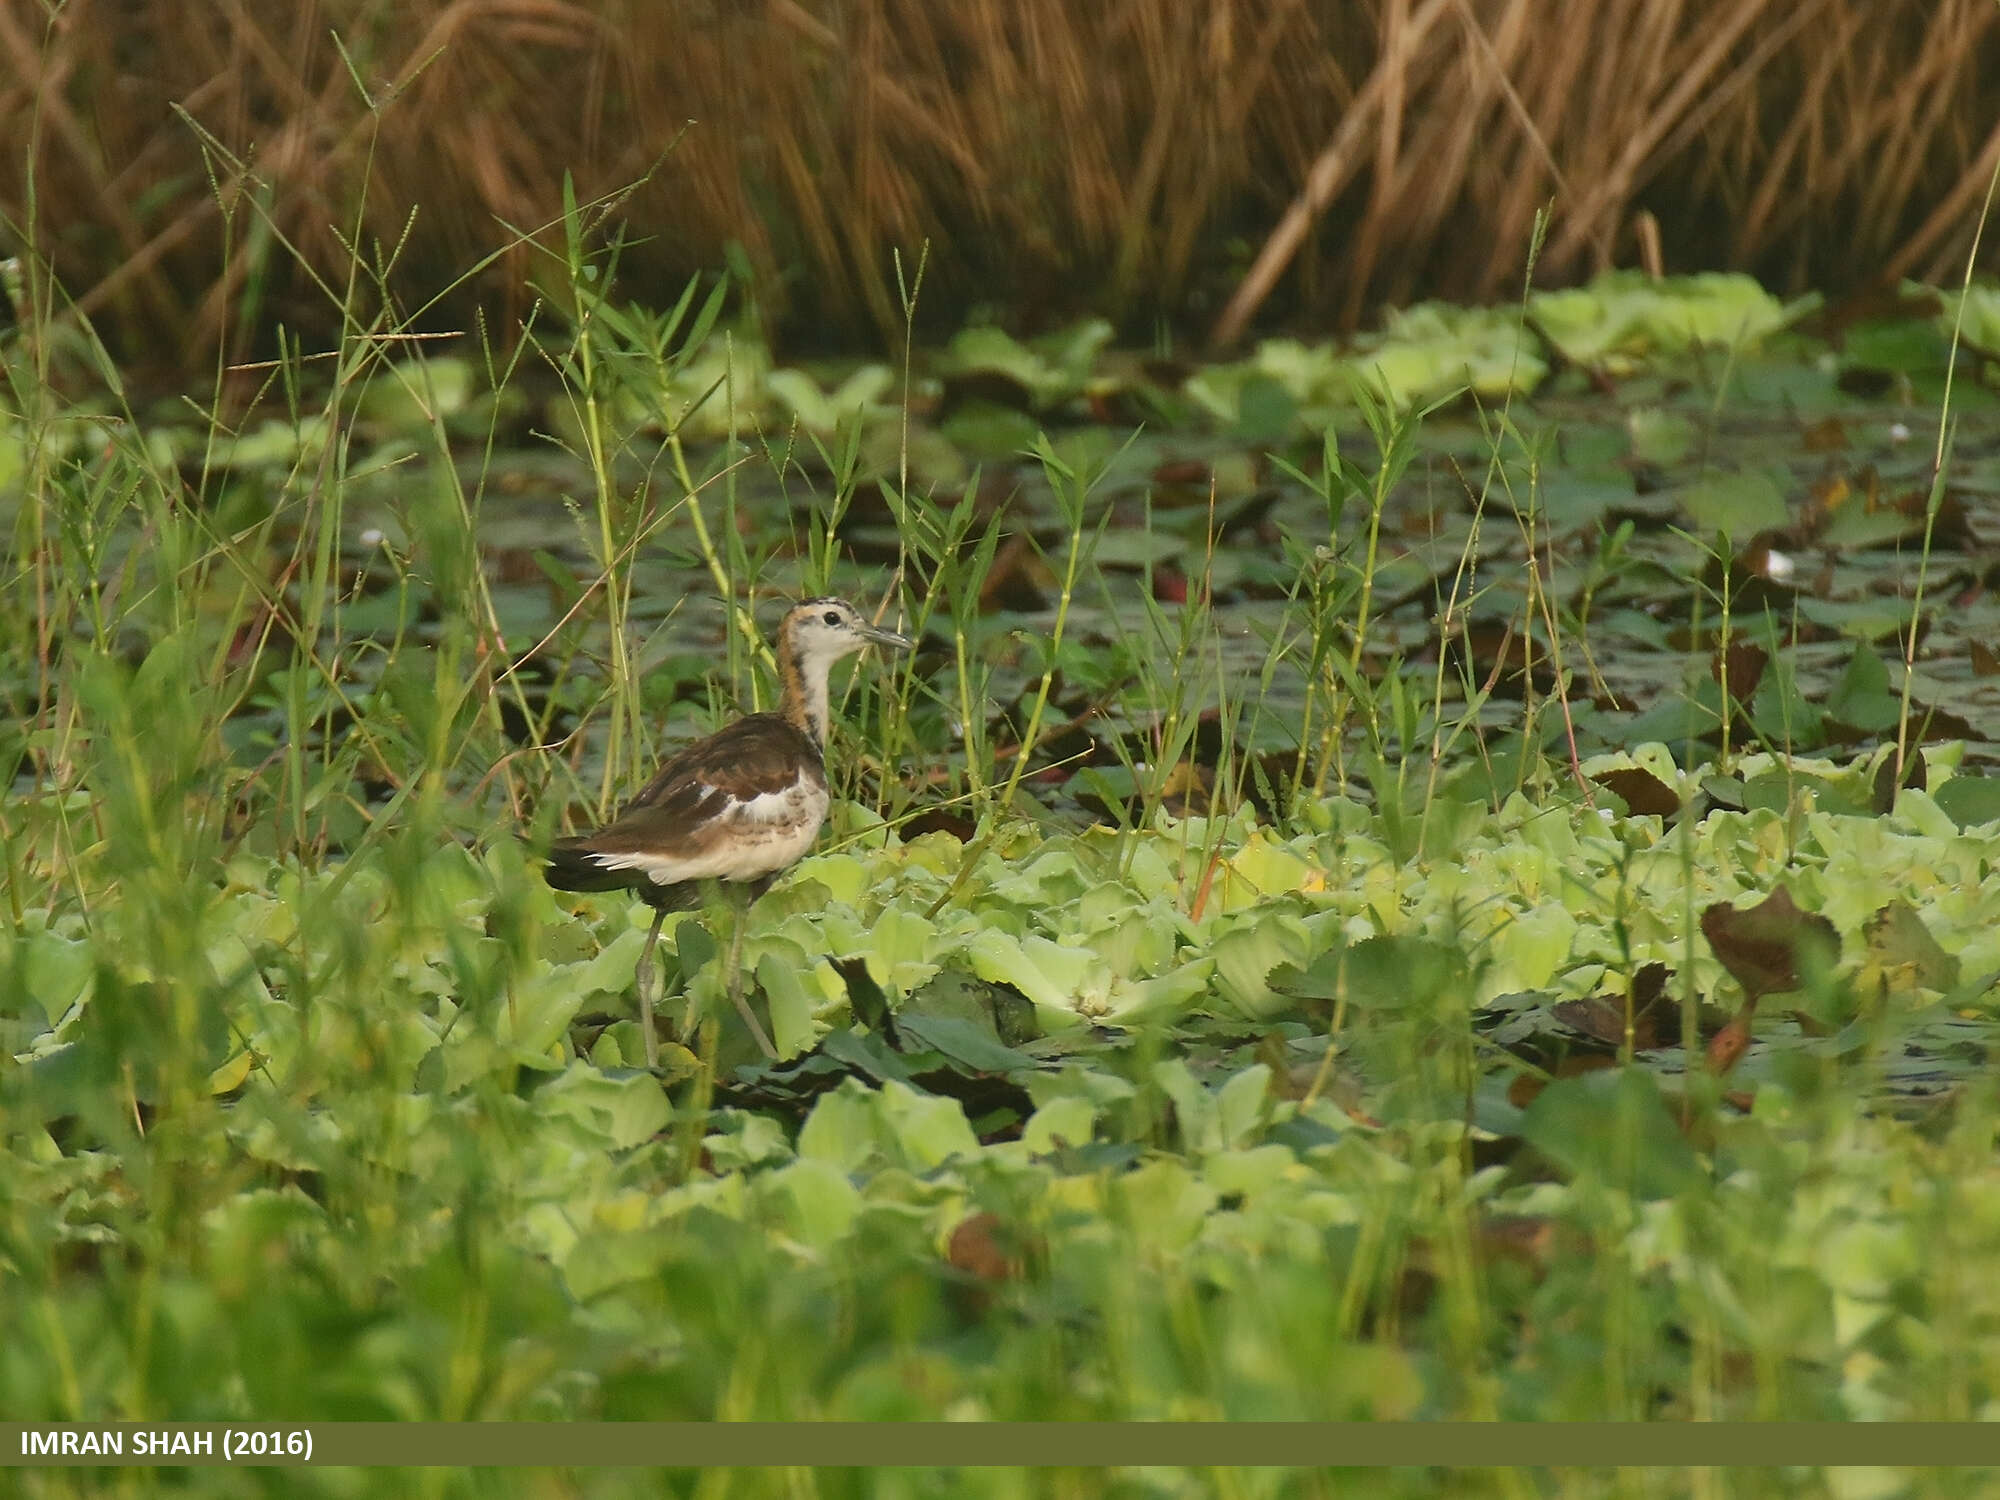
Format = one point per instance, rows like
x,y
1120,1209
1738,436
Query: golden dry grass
x,y
1137,156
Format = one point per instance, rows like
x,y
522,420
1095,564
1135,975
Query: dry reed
x,y
1316,158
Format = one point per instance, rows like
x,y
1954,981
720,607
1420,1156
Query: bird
x,y
739,807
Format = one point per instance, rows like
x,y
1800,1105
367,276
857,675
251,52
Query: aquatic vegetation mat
x,y
1450,876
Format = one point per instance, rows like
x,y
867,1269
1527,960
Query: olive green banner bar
x,y
1009,1444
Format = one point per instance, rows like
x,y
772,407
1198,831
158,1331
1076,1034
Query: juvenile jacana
x,y
740,807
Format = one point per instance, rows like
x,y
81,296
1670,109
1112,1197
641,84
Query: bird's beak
x,y
876,635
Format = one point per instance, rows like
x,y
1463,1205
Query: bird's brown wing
x,y
755,755
741,798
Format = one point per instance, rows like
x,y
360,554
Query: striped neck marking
x,y
803,681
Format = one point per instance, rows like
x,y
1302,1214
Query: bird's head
x,y
818,632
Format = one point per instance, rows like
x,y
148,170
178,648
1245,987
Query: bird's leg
x,y
736,976
642,981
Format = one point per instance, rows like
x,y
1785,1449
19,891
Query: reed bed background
x,y
1191,169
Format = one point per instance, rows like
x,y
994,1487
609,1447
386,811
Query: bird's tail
x,y
570,867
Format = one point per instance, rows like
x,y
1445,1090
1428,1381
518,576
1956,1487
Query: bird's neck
x,y
803,700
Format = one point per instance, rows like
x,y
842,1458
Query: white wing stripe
x,y
785,807
748,839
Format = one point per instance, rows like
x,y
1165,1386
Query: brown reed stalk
x,y
1317,158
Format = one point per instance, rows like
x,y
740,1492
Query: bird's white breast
x,y
767,832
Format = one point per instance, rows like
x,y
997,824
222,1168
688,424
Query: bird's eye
x,y
832,617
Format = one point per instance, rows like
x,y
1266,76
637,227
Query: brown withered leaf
x,y
1876,302
939,820
1603,1016
1870,385
1739,669
1829,495
1824,496
983,1246
1192,473
1951,527
1828,435
987,1252
515,565
1915,774
1985,660
1643,793
1760,945
1933,726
